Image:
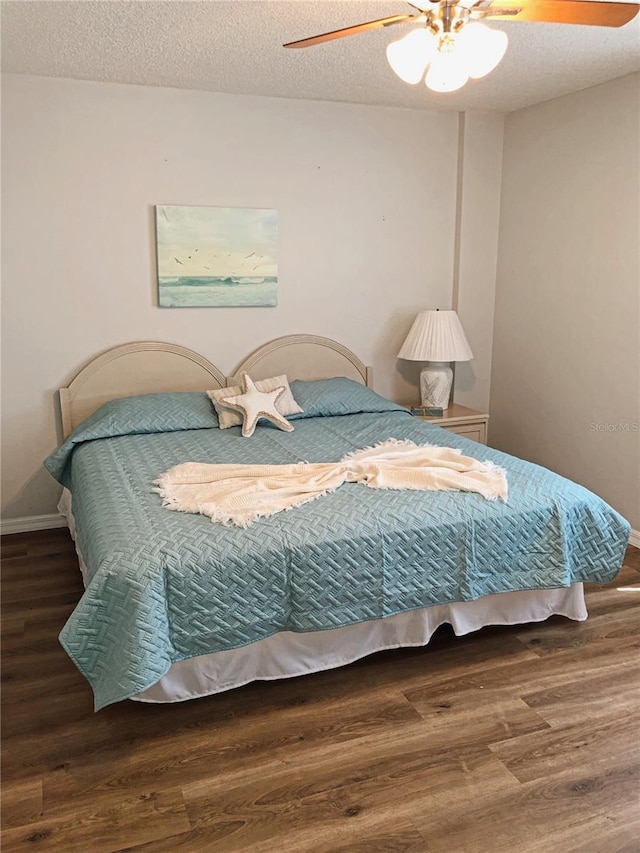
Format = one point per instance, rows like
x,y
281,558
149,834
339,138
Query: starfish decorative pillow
x,y
254,404
230,417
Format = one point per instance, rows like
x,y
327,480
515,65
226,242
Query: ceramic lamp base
x,y
435,385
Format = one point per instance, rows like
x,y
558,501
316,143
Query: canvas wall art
x,y
216,257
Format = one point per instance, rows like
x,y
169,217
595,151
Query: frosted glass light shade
x,y
483,48
410,55
448,70
436,336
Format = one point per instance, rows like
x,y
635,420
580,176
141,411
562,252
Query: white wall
x,y
367,213
565,385
480,167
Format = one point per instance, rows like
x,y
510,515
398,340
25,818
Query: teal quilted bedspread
x,y
165,586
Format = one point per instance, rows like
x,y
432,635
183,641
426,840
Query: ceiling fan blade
x,y
352,31
597,14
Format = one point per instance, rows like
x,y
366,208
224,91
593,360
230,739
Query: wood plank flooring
x,y
511,740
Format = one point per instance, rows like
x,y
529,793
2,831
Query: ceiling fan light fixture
x,y
448,70
483,47
480,48
409,56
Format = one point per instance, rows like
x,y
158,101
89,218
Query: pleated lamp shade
x,y
436,336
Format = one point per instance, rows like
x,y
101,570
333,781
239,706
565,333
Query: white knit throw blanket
x,y
239,494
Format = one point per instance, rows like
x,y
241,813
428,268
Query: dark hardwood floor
x,y
511,740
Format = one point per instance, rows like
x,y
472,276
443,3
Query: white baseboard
x,y
31,522
634,539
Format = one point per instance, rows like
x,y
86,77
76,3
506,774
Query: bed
x,y
176,607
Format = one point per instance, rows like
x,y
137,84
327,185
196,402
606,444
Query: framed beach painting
x,y
216,257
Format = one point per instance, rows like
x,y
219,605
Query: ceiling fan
x,y
455,46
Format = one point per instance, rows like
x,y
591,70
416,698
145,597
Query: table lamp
x,y
436,337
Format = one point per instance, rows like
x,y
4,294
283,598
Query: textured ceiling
x,y
235,46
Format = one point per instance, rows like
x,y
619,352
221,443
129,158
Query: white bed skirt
x,y
287,654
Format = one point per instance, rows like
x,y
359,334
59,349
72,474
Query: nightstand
x,y
468,422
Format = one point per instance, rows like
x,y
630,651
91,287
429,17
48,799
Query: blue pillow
x,y
144,413
339,396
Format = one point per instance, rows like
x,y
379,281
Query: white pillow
x,y
254,404
228,417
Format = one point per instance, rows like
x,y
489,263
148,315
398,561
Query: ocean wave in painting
x,y
217,291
